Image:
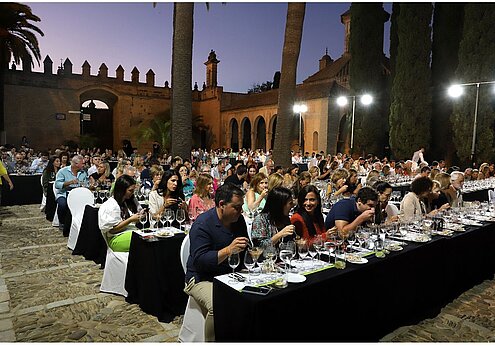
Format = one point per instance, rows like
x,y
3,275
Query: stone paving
x,y
49,295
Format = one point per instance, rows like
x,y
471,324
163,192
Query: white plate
x,y
165,234
354,259
296,278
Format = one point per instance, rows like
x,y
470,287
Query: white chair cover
x,y
77,201
193,325
391,210
113,280
491,196
43,199
55,222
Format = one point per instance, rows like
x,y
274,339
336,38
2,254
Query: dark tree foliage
x,y
410,109
258,88
276,80
366,76
476,63
447,32
394,37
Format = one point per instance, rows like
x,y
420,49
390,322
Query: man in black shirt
x,y
239,178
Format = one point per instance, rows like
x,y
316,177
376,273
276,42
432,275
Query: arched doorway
x,y
315,141
96,125
246,133
343,137
274,128
234,135
260,133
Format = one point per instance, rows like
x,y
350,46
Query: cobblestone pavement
x,y
49,295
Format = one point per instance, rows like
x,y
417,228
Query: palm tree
x,y
286,126
181,79
18,41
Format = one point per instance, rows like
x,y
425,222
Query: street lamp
x,y
300,108
366,100
457,90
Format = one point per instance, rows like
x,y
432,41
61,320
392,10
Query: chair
x,y
113,280
193,324
43,199
77,200
391,210
491,196
55,222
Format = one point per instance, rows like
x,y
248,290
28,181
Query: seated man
x,y
39,164
18,165
238,179
348,213
214,235
68,178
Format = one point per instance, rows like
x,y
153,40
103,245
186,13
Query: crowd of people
x,y
218,190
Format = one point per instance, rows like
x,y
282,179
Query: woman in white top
x,y
256,195
412,204
116,215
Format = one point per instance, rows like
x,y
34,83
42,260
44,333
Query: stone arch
x,y
315,141
246,133
234,134
97,125
260,133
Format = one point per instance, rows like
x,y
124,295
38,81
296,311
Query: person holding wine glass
x,y
308,218
214,236
273,223
116,215
201,200
348,213
167,195
256,195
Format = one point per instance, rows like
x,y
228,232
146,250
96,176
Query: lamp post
x,y
366,100
456,91
299,109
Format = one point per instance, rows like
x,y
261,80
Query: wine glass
x,y
180,217
102,195
329,245
153,222
285,254
312,252
143,218
163,218
318,244
270,253
302,249
351,239
233,263
249,263
170,216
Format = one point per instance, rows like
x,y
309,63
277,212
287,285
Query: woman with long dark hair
x,y
118,212
168,195
49,174
273,223
308,218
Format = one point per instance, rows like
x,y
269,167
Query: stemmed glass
x,y
318,244
312,252
170,216
143,218
102,195
249,263
302,249
351,239
255,252
285,254
153,222
163,218
329,245
233,263
180,217
270,253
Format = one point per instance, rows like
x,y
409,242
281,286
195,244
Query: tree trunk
x,y
181,116
287,121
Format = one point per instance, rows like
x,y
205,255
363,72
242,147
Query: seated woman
x,y
64,159
484,171
446,193
353,186
412,204
256,194
314,171
308,218
291,176
118,212
303,180
168,195
337,184
273,223
436,199
252,170
384,212
102,178
201,200
187,184
275,180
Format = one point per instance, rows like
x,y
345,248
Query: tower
x,y
211,69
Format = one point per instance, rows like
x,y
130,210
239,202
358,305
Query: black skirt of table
x,y
362,302
480,195
90,242
155,278
27,190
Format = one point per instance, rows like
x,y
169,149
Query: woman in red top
x,y
308,218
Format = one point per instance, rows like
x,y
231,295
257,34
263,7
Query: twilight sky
x,y
247,37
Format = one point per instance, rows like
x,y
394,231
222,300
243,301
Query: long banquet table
x,y
361,302
155,278
27,190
